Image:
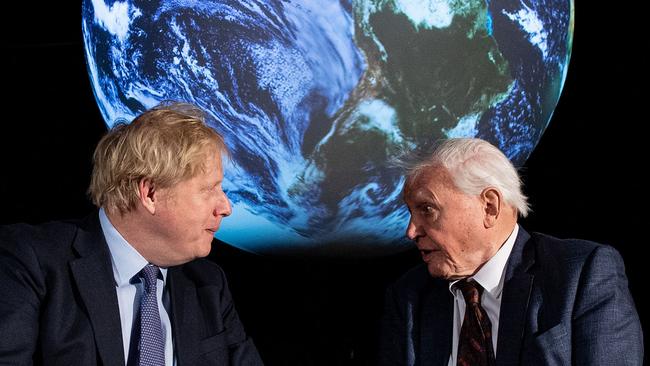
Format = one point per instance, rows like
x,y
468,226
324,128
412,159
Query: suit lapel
x,y
180,289
437,324
93,275
514,304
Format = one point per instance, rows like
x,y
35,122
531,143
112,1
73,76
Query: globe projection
x,y
316,98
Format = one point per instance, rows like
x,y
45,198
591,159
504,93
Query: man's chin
x,y
436,272
205,250
442,271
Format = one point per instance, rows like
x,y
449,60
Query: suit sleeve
x,y
21,290
241,349
606,326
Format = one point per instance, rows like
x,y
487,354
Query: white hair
x,y
474,165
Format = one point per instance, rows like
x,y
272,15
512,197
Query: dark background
x,y
583,179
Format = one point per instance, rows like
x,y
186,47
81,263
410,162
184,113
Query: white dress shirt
x,y
127,263
491,277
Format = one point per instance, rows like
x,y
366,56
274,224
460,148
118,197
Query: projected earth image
x,y
316,98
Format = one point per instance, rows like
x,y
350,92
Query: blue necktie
x,y
151,345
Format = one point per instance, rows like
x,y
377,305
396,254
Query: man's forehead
x,y
427,177
424,184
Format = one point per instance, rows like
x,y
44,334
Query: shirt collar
x,y
492,275
127,262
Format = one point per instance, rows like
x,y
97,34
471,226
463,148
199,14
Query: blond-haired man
x,y
127,285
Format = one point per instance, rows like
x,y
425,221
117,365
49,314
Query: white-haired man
x,y
488,292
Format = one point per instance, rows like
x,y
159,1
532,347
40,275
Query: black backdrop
x,y
583,179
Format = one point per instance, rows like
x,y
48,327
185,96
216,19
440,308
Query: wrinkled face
x,y
190,212
447,225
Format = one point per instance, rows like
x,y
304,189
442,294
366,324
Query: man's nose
x,y
412,230
223,206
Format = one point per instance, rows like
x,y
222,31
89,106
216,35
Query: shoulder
x,y
569,261
569,252
204,273
567,247
414,278
413,283
43,239
31,256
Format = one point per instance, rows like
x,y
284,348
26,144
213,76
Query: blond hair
x,y
166,144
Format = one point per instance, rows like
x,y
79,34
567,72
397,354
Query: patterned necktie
x,y
151,345
475,341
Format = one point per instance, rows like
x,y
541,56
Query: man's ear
x,y
492,203
148,195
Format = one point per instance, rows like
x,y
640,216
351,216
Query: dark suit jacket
x,y
58,304
564,302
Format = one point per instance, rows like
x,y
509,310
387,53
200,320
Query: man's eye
x,y
428,209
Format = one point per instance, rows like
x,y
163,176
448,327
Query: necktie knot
x,y
471,291
149,275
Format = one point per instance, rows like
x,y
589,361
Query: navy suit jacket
x,y
58,304
564,302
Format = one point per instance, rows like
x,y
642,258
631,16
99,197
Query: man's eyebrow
x,y
422,194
